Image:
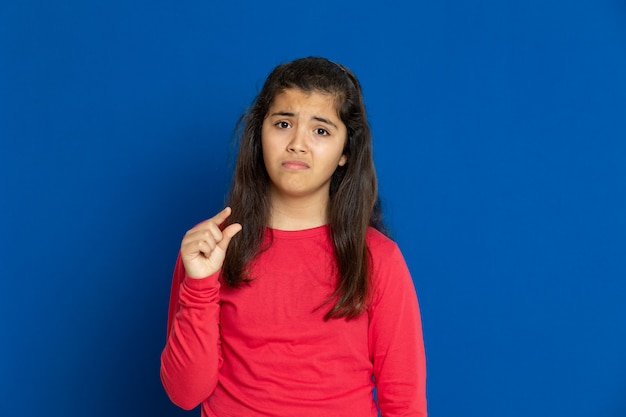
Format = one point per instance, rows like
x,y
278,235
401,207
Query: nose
x,y
298,142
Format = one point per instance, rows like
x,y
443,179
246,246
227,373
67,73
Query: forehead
x,y
295,98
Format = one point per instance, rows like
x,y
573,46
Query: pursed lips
x,y
295,164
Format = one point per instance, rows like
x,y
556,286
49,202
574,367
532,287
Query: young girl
x,y
291,301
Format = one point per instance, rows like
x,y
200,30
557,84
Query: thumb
x,y
227,234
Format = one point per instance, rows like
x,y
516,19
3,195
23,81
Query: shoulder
x,y
378,243
389,274
385,255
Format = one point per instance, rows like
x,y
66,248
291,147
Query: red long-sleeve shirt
x,y
264,349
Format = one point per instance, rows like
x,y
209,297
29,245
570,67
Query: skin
x,y
204,247
303,139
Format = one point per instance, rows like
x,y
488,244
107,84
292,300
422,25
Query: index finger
x,y
220,217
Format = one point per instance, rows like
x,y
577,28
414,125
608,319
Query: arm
x,y
192,356
191,359
396,342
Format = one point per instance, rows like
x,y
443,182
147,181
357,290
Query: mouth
x,y
295,164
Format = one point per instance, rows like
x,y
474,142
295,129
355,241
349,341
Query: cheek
x,y
265,142
268,149
263,135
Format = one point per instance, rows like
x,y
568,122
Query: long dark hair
x,y
353,200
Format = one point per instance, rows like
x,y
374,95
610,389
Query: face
x,y
303,140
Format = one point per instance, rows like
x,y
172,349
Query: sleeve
x,y
396,341
192,357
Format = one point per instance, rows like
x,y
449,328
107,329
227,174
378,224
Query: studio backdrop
x,y
500,145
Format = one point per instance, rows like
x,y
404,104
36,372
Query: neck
x,y
297,213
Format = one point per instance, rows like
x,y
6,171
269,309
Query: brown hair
x,y
353,197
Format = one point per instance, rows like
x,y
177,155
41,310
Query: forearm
x,y
191,358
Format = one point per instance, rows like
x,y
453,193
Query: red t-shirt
x,y
263,349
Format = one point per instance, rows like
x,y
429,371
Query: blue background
x,y
500,142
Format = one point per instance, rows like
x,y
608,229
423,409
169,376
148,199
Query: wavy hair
x,y
353,197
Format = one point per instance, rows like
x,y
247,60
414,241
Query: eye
x,y
282,124
321,132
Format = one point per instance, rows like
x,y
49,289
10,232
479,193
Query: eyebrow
x,y
318,118
328,122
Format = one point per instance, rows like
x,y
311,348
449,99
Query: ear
x,y
343,160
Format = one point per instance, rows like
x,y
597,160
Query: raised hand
x,y
204,247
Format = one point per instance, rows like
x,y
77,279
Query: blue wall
x,y
500,141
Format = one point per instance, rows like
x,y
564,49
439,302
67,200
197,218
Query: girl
x,y
291,301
